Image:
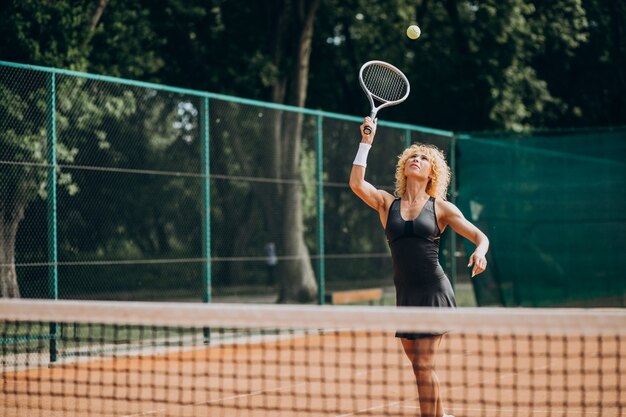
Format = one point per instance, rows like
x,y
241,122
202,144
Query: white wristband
x,y
361,155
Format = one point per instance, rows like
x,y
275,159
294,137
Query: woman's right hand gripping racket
x,y
383,83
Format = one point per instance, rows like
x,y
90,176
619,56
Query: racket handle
x,y
367,129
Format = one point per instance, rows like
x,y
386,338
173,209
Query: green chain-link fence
x,y
110,182
115,189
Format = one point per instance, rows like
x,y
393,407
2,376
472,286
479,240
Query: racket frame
x,y
370,96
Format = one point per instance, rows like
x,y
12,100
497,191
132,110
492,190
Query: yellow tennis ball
x,y
413,32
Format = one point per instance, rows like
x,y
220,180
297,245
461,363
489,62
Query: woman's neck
x,y
415,192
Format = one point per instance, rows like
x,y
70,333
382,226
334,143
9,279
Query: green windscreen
x,y
554,208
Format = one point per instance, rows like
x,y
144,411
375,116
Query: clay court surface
x,y
328,374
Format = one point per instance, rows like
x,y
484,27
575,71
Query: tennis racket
x,y
384,86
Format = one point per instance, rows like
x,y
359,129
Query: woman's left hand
x,y
479,261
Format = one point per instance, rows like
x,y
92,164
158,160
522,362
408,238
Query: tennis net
x,y
72,358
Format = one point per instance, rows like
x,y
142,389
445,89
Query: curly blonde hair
x,y
440,177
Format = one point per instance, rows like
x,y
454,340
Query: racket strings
x,y
384,83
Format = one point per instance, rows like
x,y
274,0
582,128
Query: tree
x,y
21,140
21,109
287,62
591,79
57,34
269,62
291,88
474,67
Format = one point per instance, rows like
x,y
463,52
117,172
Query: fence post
x,y
51,156
453,195
206,215
320,211
206,192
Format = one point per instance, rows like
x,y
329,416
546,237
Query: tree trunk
x,y
90,30
296,277
9,221
295,274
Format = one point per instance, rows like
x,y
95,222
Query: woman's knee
x,y
423,370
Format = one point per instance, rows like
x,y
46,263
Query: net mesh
x,y
135,359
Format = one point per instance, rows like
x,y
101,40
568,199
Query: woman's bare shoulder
x,y
445,207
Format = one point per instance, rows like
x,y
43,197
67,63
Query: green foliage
x,y
476,61
126,42
592,81
494,64
513,64
45,32
25,118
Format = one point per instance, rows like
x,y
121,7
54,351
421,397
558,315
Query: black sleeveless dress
x,y
417,274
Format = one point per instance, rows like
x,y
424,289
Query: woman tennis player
x,y
413,221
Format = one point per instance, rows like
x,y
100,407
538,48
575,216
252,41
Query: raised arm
x,y
377,199
449,214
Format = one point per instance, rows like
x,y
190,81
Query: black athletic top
x,y
418,277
